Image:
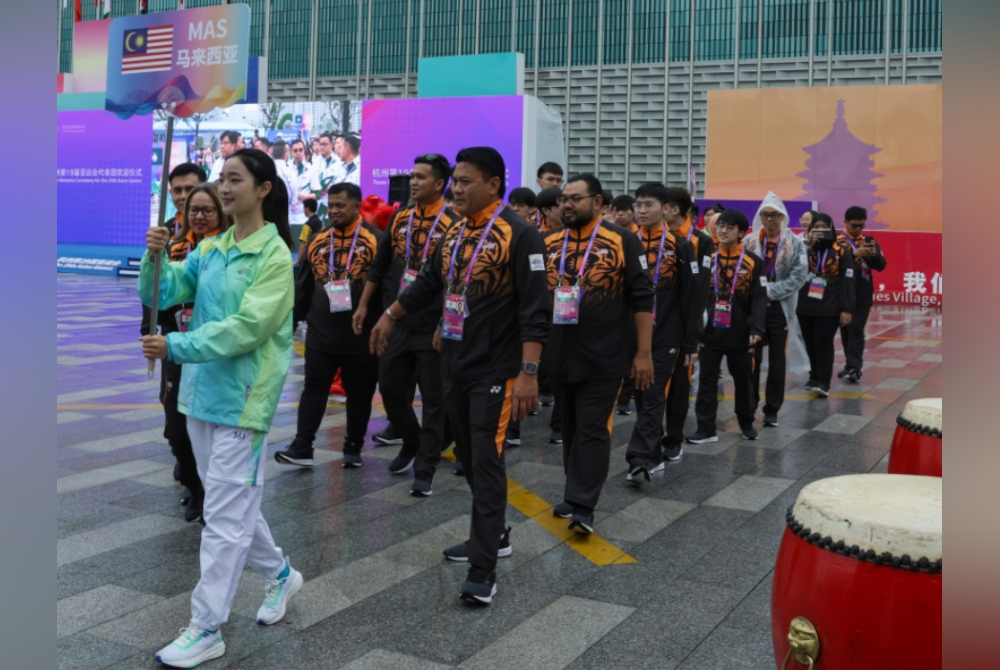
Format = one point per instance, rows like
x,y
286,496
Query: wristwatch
x,y
529,368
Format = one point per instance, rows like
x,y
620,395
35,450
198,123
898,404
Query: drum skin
x,y
867,616
915,454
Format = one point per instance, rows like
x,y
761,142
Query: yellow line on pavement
x,y
594,548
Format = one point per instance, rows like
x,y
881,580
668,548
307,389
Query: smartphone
x,y
826,234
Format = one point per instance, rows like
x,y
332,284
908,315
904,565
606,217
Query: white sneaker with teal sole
x,y
194,646
276,596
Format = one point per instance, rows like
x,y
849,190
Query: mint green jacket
x,y
237,352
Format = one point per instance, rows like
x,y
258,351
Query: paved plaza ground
x,y
678,574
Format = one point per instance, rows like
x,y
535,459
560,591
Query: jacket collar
x,y
481,217
584,231
251,245
429,212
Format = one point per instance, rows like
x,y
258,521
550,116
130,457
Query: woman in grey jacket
x,y
785,271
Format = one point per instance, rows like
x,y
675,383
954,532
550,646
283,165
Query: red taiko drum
x,y
857,584
916,446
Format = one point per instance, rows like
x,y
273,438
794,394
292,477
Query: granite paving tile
x,y
552,638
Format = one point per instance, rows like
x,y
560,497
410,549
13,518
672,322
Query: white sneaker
x,y
656,468
194,646
276,595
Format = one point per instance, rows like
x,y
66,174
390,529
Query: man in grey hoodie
x,y
785,271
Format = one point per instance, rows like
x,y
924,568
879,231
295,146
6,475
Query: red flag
x,y
77,11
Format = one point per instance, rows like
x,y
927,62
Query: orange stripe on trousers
x,y
504,421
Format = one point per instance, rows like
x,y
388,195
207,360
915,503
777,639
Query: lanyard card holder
x,y
723,314
339,293
866,272
183,317
654,307
455,311
817,285
409,276
566,309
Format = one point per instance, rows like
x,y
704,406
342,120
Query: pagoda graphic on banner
x,y
839,173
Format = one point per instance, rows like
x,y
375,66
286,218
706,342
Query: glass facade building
x,y
630,77
563,32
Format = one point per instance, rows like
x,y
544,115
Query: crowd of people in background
x,y
487,304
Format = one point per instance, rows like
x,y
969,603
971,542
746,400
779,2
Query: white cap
x,y
898,514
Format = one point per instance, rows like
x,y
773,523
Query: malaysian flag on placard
x,y
148,50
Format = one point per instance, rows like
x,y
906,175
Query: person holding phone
x,y
868,258
826,300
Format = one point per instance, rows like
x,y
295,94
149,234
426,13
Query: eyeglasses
x,y
202,211
771,216
573,199
725,226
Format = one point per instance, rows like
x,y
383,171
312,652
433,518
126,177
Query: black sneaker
x,y
674,452
513,438
771,420
563,510
582,521
185,496
812,385
749,433
555,437
387,436
534,412
546,400
403,461
457,469
854,376
637,474
351,460
480,586
460,552
624,410
702,438
421,484
195,508
822,390
297,453
843,374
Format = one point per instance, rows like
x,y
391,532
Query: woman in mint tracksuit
x,y
235,357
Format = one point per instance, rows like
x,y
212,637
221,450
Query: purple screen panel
x,y
396,131
102,178
749,207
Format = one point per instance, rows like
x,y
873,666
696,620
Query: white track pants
x,y
231,467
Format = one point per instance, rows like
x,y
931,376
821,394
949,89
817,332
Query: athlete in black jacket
x,y
490,266
737,307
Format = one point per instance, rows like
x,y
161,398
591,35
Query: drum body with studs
x,y
857,583
916,445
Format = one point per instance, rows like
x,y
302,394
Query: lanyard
x,y
475,254
350,253
427,242
769,270
855,248
538,220
586,255
659,255
821,263
736,272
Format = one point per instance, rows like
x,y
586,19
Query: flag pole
x,y
267,30
161,221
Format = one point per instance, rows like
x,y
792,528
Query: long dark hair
x,y
261,168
